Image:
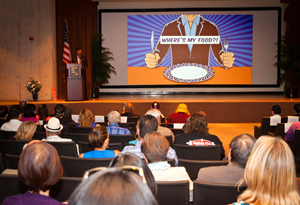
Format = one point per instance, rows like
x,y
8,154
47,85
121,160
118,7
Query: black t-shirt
x,y
191,139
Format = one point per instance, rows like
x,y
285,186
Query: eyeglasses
x,y
137,170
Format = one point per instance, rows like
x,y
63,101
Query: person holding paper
x,y
190,25
289,136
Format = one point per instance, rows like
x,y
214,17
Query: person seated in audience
x,y
147,124
275,111
99,140
155,149
290,134
203,114
3,114
270,174
156,105
297,109
113,186
22,104
29,115
133,160
39,168
15,116
114,118
43,113
26,131
240,149
86,119
53,130
128,110
59,112
162,130
196,133
68,116
181,114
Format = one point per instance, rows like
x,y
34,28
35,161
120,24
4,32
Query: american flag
x,y
67,52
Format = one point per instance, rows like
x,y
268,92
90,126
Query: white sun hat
x,y
53,125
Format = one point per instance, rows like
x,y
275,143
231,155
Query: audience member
x,y
39,168
15,116
276,110
3,114
22,104
203,114
26,131
147,124
196,133
133,160
68,116
290,134
128,110
86,119
59,112
43,113
297,109
270,174
162,130
113,186
240,149
155,105
113,128
99,141
29,115
181,114
53,130
155,149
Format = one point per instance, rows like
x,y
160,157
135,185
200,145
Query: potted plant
x,y
289,64
101,67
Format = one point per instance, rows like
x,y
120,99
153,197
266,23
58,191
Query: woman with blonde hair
x,y
26,131
86,119
270,174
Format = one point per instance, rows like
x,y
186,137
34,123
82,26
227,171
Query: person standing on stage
x,y
79,58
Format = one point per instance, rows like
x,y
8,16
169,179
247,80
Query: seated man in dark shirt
x,y
196,133
3,115
59,112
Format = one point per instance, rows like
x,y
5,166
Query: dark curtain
x,y
82,18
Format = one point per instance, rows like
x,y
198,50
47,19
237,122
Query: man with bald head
x,y
114,118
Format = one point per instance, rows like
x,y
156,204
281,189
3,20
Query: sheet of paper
x,y
99,118
178,125
287,127
292,119
123,119
41,122
274,121
75,118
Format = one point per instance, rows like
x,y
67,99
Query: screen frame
x,y
278,9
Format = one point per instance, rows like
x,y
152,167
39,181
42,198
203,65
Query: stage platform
x,y
220,108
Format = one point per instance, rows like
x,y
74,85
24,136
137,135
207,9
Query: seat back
x,y
193,166
7,135
120,139
170,140
76,137
86,130
11,161
265,127
280,130
212,194
39,135
173,192
63,189
12,146
75,167
65,148
176,131
296,146
10,185
2,163
85,147
171,162
197,152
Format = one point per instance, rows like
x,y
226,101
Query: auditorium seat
x,y
2,163
7,135
171,162
296,146
214,194
65,148
11,161
173,192
120,139
170,140
76,137
279,132
197,152
176,131
265,127
12,146
39,135
75,167
86,130
193,166
85,147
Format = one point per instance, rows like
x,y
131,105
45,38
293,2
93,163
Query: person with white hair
x,y
114,118
162,130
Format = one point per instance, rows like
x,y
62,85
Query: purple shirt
x,y
24,119
30,199
289,136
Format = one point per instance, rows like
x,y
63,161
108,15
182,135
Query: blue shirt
x,y
190,31
99,154
136,149
92,124
115,129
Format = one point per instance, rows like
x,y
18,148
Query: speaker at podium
x,y
75,86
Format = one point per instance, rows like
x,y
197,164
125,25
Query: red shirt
x,y
179,117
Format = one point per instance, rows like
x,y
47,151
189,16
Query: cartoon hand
x,y
151,60
227,59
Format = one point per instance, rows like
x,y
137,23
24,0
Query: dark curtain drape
x,y
82,18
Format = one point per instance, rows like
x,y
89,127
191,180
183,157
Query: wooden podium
x,y
75,86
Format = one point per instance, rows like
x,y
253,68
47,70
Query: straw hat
x,y
53,125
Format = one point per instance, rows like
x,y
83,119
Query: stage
x,y
220,108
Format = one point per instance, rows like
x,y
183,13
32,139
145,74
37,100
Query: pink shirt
x,y
289,136
24,119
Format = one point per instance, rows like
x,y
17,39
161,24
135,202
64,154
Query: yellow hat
x,y
182,108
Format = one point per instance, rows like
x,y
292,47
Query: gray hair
x,y
154,112
114,117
